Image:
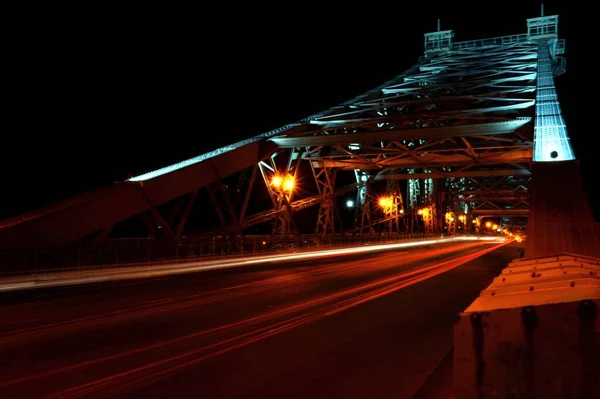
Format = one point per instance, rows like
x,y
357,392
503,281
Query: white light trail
x,y
96,275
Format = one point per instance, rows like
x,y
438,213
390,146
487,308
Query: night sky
x,y
128,91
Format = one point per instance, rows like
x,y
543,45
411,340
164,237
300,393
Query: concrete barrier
x,y
533,333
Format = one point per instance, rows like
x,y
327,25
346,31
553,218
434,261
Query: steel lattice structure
x,y
452,136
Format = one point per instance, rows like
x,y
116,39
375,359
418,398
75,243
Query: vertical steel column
x,y
281,187
450,220
415,201
393,207
325,181
362,214
428,214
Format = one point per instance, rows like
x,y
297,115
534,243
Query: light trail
x,y
227,337
69,278
194,301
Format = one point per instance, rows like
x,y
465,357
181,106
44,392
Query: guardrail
x,y
130,252
95,274
490,41
497,41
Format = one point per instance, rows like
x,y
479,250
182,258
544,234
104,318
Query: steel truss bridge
x,y
438,149
470,139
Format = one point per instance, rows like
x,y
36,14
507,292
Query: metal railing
x,y
497,41
493,41
129,252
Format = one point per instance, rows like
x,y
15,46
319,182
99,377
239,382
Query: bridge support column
x,y
425,198
280,186
428,214
413,194
450,220
328,212
393,208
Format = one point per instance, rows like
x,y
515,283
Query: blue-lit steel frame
x,y
465,112
551,142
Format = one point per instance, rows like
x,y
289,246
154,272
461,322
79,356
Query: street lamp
x,y
286,183
386,202
277,181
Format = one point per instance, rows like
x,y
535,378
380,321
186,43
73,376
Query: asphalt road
x,y
371,326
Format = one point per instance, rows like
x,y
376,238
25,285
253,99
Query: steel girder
x,y
91,216
504,198
463,115
471,107
325,180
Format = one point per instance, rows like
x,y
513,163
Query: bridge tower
x,y
536,323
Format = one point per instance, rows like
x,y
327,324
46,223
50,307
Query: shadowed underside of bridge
x,y
442,146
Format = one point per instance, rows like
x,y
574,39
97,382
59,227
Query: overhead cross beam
x,y
483,129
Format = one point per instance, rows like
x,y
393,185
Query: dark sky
x,y
127,91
